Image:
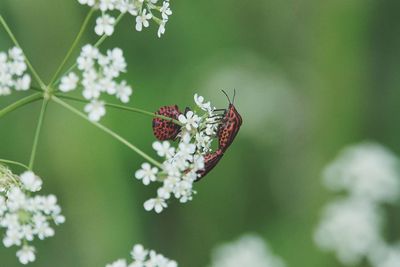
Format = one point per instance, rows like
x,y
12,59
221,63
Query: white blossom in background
x,y
248,250
182,163
386,256
13,74
142,10
367,171
98,77
351,228
142,257
25,216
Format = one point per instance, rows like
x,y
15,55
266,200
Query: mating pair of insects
x,y
229,123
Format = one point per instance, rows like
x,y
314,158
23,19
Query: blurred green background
x,y
311,77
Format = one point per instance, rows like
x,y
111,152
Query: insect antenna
x,y
227,96
234,95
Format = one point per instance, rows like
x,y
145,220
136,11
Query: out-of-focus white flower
x,y
26,254
25,216
386,256
69,82
118,263
249,250
12,72
31,181
144,258
105,25
367,171
351,228
96,110
156,204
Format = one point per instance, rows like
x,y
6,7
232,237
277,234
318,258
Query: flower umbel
x,y
25,216
182,164
99,74
13,72
142,10
142,257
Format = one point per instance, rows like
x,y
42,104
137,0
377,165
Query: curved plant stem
x,y
97,44
14,163
35,74
20,103
37,134
73,46
107,130
136,110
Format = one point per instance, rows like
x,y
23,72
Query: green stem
x,y
107,130
97,44
20,103
35,74
136,110
73,46
37,134
14,163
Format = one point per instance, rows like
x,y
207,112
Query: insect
x,y
210,161
164,129
230,125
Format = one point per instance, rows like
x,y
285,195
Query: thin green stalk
x,y
35,74
20,103
136,110
37,134
107,130
97,44
73,46
6,161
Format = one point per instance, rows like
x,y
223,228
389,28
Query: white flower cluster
x,y
26,217
98,76
12,72
249,250
182,163
352,226
143,258
143,10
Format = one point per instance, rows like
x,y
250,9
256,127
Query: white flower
x,y
104,25
23,83
107,5
144,258
248,250
190,120
158,204
386,256
164,149
350,228
368,171
147,174
165,10
138,253
99,74
12,72
87,2
118,263
161,29
123,92
69,82
95,109
142,20
31,182
26,254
